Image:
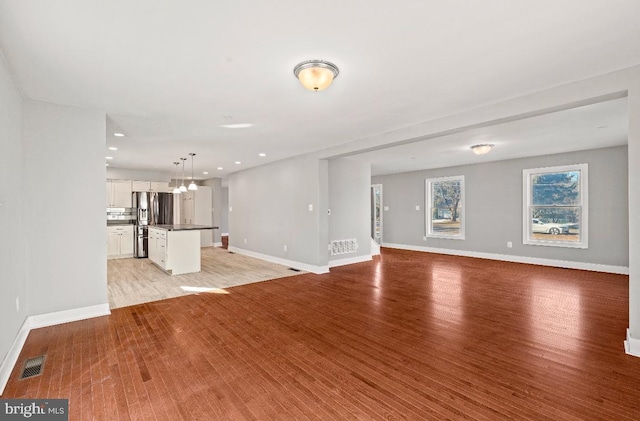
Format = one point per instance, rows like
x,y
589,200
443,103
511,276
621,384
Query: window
x,y
555,206
445,207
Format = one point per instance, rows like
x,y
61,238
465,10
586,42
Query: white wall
x,y
349,201
217,207
224,214
270,209
64,223
13,264
493,193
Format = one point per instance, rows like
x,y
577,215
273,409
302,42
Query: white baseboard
x,y
217,244
349,261
291,263
66,316
375,248
632,346
44,320
224,234
11,358
595,267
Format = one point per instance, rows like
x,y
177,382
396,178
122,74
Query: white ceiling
x,y
169,73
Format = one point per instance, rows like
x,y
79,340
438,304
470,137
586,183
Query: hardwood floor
x,y
408,336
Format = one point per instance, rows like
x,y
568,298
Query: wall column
x,y
632,344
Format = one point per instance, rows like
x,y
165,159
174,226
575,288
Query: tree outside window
x,y
445,215
555,206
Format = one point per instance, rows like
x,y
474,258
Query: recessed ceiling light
x,y
113,148
236,126
118,134
109,157
237,162
220,168
262,154
107,164
205,172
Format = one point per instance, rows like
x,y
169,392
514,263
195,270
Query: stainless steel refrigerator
x,y
152,208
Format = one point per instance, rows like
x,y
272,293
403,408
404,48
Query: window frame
x,y
428,206
583,205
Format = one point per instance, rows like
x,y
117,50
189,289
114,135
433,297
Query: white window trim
x,y
584,206
428,207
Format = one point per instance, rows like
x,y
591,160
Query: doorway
x,y
376,213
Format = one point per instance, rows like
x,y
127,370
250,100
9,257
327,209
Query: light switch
x,y
310,207
417,207
386,208
230,208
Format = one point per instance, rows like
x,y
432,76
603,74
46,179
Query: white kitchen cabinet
x,y
177,252
160,186
150,186
119,193
157,246
196,210
119,241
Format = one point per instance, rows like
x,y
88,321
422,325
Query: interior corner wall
x,y
493,194
269,208
13,264
224,214
64,205
349,201
216,207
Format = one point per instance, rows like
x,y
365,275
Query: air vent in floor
x,y
33,367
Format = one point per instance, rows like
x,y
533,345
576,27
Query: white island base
x,y
176,252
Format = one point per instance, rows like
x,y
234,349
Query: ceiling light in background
x,y
107,164
183,188
205,172
109,157
316,75
192,186
220,168
236,126
262,154
118,134
113,148
176,190
237,162
482,148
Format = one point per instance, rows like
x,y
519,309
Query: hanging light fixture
x,y
192,186
176,190
183,188
482,148
316,75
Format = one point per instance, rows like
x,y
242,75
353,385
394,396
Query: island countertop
x,y
183,227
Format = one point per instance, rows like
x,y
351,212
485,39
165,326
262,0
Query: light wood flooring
x,y
136,281
409,335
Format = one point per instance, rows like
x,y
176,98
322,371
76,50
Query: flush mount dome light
x,y
316,75
482,148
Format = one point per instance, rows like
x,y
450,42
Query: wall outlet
x,y
386,208
310,207
509,244
417,207
17,304
245,241
285,247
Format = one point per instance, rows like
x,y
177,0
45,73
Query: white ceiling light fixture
x,y
237,125
316,75
118,134
192,186
176,190
113,148
482,149
262,154
183,188
108,157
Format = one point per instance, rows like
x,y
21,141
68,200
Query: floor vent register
x,y
33,367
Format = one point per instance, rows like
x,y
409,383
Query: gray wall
x,y
13,275
64,214
349,201
493,193
270,209
216,206
224,214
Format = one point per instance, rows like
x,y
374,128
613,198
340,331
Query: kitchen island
x,y
176,248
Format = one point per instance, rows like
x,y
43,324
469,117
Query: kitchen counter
x,y
184,227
